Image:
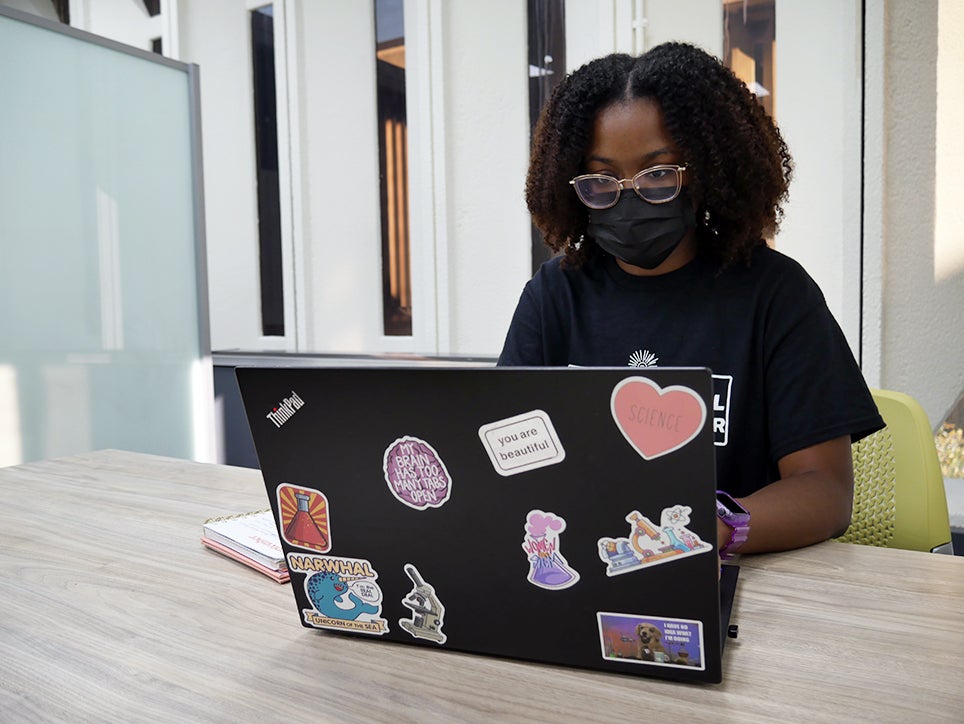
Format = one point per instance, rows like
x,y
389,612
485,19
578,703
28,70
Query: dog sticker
x,y
303,514
547,567
416,474
636,639
343,593
656,421
650,545
523,442
427,609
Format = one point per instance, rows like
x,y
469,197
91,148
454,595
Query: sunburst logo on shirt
x,y
643,358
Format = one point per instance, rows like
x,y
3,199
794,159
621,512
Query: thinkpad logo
x,y
285,409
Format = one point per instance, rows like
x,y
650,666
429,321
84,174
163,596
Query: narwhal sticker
x,y
303,517
547,567
343,593
649,544
654,420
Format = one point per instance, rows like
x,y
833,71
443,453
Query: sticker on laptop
x,y
654,420
343,593
416,474
427,610
649,544
303,514
523,442
547,567
635,639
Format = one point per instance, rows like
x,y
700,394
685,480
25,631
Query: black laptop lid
x,y
558,515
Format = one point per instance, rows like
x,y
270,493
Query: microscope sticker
x,y
303,514
648,545
651,640
427,610
416,474
656,421
523,442
343,592
547,567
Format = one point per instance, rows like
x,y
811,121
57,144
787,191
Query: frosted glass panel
x,y
102,316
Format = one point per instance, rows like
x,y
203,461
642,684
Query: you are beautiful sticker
x,y
523,442
656,421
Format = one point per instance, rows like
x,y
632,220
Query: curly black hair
x,y
740,165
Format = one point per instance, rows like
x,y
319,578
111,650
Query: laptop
x,y
558,515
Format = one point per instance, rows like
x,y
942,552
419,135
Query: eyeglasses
x,y
657,185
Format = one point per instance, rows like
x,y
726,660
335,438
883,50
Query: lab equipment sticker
x,y
650,545
523,442
547,567
303,517
416,474
427,609
343,593
636,639
656,421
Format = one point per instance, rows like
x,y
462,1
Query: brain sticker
x,y
416,474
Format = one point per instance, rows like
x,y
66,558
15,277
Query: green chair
x,y
899,497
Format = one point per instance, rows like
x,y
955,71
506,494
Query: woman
x,y
659,178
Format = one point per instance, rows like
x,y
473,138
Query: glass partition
x,y
103,329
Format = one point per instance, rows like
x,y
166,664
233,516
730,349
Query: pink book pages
x,y
279,576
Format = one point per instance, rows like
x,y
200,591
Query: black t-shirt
x,y
783,374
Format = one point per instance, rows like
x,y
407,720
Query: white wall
x,y
818,104
215,34
123,20
487,149
919,295
43,8
599,27
339,157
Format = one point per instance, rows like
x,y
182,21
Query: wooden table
x,y
113,611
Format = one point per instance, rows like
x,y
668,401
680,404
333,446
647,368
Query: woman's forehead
x,y
630,131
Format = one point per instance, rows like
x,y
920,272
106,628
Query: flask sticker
x,y
303,517
547,567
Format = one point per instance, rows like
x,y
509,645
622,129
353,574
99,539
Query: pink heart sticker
x,y
653,420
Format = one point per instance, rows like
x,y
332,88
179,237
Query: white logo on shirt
x,y
722,385
643,358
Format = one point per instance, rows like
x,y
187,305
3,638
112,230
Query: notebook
x,y
558,515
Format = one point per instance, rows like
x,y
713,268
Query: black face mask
x,y
640,233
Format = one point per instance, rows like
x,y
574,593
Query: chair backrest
x,y
899,497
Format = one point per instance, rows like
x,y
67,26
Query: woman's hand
x,y
811,502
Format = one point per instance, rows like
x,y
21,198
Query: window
x,y
547,66
749,46
393,167
266,156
